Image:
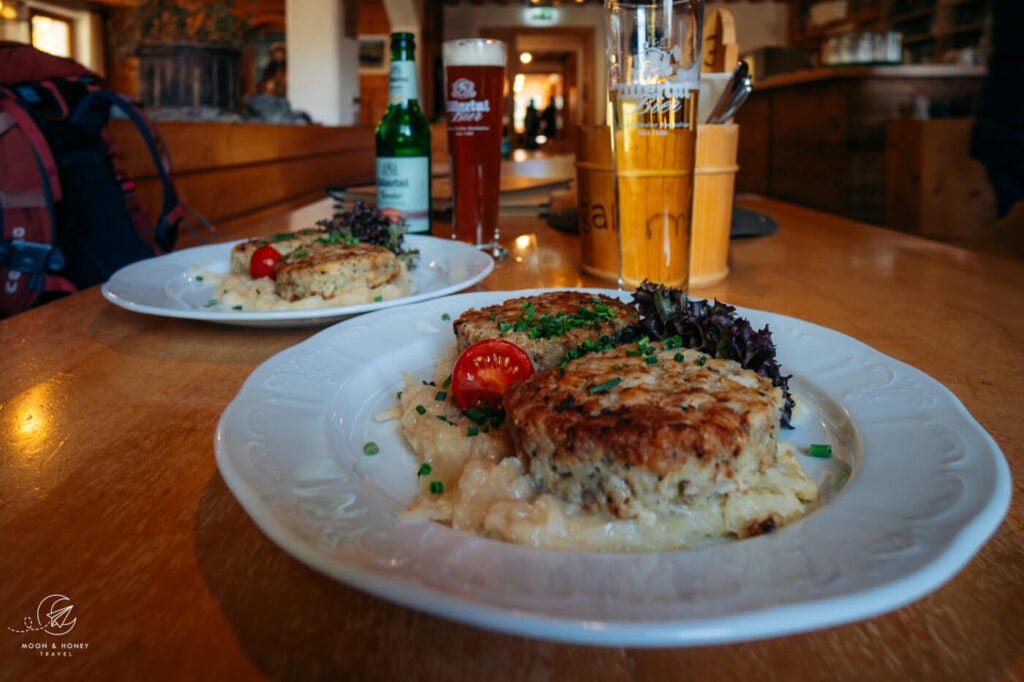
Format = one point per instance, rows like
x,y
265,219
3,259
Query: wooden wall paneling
x,y
373,87
224,170
934,187
754,151
373,18
826,131
808,143
903,175
373,98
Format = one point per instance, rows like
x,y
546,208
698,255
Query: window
x,y
51,33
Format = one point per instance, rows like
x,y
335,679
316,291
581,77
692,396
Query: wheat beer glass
x,y
653,84
474,88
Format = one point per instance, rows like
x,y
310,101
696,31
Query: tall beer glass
x,y
474,86
653,84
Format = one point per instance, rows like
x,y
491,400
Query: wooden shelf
x,y
966,28
919,38
940,25
907,16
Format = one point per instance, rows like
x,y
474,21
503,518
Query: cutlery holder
x,y
713,193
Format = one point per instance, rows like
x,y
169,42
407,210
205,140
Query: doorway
x,y
549,66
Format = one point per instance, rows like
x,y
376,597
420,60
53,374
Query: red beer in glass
x,y
474,96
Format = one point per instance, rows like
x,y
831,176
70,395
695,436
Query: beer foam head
x,y
474,52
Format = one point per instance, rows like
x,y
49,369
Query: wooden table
x,y
109,493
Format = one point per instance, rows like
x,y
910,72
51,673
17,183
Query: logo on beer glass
x,y
462,107
463,88
654,65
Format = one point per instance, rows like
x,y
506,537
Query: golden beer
x,y
655,142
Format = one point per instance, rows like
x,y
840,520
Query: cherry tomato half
x,y
485,370
263,260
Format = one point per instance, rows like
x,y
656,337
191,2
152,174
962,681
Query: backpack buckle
x,y
30,257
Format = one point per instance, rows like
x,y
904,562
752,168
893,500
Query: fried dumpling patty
x,y
546,326
329,269
640,431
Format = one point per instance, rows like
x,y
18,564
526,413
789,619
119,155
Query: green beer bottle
x,y
403,142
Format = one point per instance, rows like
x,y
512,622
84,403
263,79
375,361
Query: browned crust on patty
x,y
329,269
284,242
476,325
628,432
657,415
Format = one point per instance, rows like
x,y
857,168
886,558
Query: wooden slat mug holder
x,y
715,173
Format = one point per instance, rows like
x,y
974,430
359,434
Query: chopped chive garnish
x,y
370,448
445,316
425,470
378,298
436,487
447,382
678,357
473,431
199,278
236,307
212,302
441,395
608,385
703,360
819,450
398,395
420,409
651,359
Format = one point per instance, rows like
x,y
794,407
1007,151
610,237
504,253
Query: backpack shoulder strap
x,y
93,111
13,114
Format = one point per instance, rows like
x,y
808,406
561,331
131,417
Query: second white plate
x,y
167,285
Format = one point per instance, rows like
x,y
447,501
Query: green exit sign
x,y
541,16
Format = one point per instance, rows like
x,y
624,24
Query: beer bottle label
x,y
403,184
402,83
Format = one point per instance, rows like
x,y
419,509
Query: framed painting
x,y
373,54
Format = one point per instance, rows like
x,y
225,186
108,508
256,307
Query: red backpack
x,y
69,217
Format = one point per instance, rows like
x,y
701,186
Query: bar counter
x,y
111,498
817,138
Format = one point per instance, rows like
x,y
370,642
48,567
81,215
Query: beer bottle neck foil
x,y
402,84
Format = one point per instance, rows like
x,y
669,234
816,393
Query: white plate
x,y
167,285
915,488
